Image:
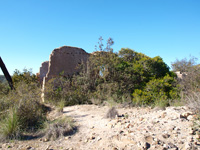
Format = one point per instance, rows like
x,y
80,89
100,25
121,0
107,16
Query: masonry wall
x,y
65,60
43,70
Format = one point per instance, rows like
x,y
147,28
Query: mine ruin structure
x,y
63,60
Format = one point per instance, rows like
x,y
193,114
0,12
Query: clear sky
x,y
31,29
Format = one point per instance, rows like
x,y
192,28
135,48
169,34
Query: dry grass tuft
x,y
193,101
112,113
59,128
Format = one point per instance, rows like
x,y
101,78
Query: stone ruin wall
x,y
43,70
62,60
66,59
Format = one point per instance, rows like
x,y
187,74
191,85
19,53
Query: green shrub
x,y
156,91
27,98
26,76
71,90
28,114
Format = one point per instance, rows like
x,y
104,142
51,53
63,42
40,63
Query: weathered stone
x,y
190,117
191,131
28,147
165,135
66,60
149,139
181,75
185,114
197,136
43,70
127,125
92,137
141,119
45,140
99,138
144,145
163,115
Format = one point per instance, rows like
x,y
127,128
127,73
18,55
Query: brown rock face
x,y
65,59
44,70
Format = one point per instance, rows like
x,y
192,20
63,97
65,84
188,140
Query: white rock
x,y
190,117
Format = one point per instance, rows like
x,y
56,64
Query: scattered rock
x,y
45,140
142,129
163,115
166,136
141,119
197,136
190,117
28,147
68,137
92,137
185,114
149,139
144,145
99,138
191,131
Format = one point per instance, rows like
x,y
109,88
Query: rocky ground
x,y
133,129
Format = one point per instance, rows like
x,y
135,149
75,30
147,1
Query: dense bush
x,y
161,89
70,90
26,76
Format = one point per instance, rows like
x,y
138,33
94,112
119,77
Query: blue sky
x,y
31,29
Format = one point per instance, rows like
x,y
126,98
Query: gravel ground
x,y
134,129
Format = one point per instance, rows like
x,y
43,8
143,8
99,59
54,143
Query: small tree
x,y
26,76
184,65
191,80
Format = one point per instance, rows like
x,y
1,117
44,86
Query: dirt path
x,y
140,128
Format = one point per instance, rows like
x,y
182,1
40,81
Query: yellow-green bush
x,y
156,90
